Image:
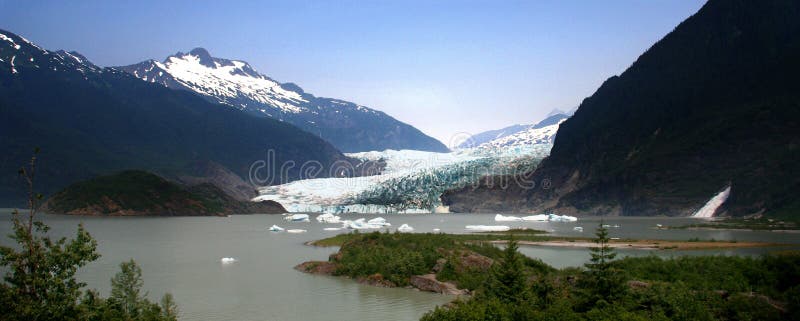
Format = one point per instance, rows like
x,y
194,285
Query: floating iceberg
x,y
561,218
361,224
537,218
436,230
297,218
295,231
405,228
379,221
332,229
275,228
502,218
329,218
488,228
577,229
227,260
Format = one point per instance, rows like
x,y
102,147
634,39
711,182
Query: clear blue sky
x,y
442,66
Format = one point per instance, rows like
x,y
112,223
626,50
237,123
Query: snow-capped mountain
x,y
91,121
348,126
543,132
489,135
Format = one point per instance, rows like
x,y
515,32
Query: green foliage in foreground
x,y
39,281
645,288
398,256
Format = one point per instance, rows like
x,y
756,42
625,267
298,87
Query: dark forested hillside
x,y
715,103
90,121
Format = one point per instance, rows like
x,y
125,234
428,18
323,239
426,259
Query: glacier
x,y
412,181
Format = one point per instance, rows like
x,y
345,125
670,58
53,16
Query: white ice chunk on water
x,y
405,228
537,218
488,228
360,224
227,260
561,218
329,218
332,229
577,229
708,210
295,231
297,218
503,218
276,228
379,221
436,230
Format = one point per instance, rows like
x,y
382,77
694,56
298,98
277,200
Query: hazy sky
x,y
442,66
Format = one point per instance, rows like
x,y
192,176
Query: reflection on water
x,y
182,255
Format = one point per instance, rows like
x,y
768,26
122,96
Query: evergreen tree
x,y
508,280
40,280
605,282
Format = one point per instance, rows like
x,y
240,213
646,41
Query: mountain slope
x,y
90,121
349,127
135,193
518,134
715,103
489,135
543,132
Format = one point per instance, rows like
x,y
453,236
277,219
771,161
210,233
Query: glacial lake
x,y
182,255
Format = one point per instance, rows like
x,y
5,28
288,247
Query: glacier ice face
x,y
411,182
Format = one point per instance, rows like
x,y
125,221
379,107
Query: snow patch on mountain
x,y
7,38
227,80
530,136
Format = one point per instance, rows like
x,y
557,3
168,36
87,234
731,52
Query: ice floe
x,y
503,218
405,228
275,228
488,228
227,260
297,218
295,231
536,218
329,218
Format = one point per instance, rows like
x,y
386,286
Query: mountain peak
x,y
204,56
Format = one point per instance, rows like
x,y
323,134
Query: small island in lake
x,y
140,193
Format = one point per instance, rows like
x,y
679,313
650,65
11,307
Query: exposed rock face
x,y
712,104
429,283
317,267
219,176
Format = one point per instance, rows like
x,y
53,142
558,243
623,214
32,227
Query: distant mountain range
x,y
540,133
348,126
713,105
90,121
